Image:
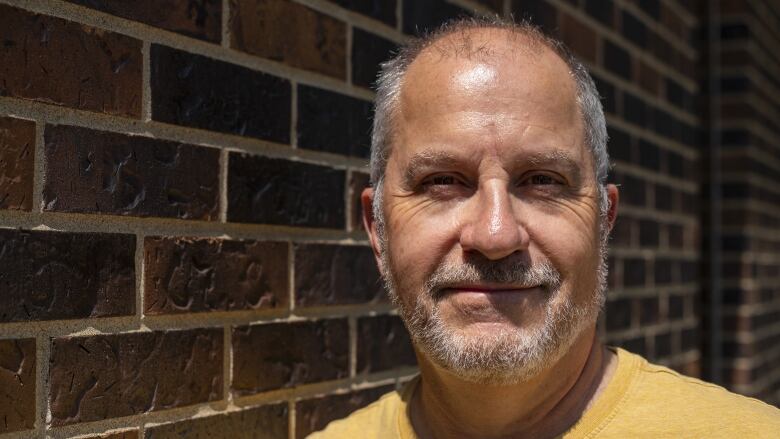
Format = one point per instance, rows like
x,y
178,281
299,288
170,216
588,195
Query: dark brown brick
x,y
357,182
634,272
55,61
383,343
277,191
619,314
208,274
107,376
99,172
649,78
200,92
17,151
580,38
617,60
265,27
382,10
56,275
346,131
17,385
200,19
368,51
264,422
421,16
335,275
278,355
126,434
314,414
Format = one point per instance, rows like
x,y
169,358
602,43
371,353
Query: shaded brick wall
x,y
180,238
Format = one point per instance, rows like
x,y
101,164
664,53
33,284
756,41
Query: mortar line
x,y
293,114
348,194
226,31
146,81
140,288
352,321
399,16
227,364
41,359
348,60
45,351
39,170
224,159
291,419
291,277
355,19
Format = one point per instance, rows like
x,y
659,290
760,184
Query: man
x,y
489,218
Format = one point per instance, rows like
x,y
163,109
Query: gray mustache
x,y
515,273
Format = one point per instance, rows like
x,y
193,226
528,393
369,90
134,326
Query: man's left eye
x,y
540,179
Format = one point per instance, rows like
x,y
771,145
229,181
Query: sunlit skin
x,y
489,160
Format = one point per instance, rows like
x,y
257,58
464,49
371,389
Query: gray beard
x,y
506,356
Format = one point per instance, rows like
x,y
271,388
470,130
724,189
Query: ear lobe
x,y
369,223
613,196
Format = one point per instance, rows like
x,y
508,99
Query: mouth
x,y
491,289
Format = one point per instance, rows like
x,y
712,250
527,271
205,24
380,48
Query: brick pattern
x,y
180,182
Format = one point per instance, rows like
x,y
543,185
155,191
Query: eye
x,y
441,180
540,180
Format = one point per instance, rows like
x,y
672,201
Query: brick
x,y
199,19
74,65
357,182
199,92
382,10
17,384
689,339
617,60
17,150
268,421
622,232
264,28
601,10
619,314
634,109
649,232
579,37
209,274
678,95
649,78
648,311
346,131
608,94
649,155
276,191
368,51
637,345
633,191
91,171
633,272
126,434
335,275
56,275
419,17
663,271
676,307
280,355
651,8
663,345
107,376
383,344
633,29
664,197
314,414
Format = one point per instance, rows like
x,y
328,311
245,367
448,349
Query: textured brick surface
x,y
264,422
382,10
277,355
101,172
368,51
346,131
17,150
335,275
17,385
314,414
264,28
383,343
276,191
194,275
200,92
107,376
51,60
57,275
199,18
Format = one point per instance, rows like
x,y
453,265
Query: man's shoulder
x,y
664,397
377,419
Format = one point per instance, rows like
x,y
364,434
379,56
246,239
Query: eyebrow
x,y
426,160
558,158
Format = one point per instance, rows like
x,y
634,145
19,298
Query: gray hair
x,y
391,77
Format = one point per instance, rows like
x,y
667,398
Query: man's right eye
x,y
440,180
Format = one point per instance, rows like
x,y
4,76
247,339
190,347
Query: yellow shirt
x,y
641,400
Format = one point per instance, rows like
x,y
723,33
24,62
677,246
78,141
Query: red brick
x,y
314,414
17,151
17,385
265,28
107,376
55,61
269,421
278,355
200,19
196,275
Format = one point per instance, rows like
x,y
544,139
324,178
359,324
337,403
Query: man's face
x,y
491,242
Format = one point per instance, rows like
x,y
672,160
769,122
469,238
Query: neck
x,y
445,406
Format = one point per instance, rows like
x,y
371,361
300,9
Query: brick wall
x,y
181,244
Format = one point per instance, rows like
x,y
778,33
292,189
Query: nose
x,y
492,228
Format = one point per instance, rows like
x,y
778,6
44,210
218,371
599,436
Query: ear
x,y
613,195
369,223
